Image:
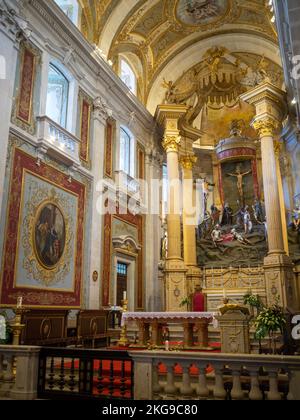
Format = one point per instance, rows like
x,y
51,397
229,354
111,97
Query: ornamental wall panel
x,y
43,250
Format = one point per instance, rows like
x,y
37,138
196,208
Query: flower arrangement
x,y
253,301
268,322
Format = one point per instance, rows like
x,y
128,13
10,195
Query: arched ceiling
x,y
166,40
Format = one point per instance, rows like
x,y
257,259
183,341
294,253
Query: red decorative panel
x,y
85,130
22,164
141,163
235,153
255,179
221,190
24,108
109,143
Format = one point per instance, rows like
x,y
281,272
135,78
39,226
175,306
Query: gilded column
x,y
175,271
171,146
189,223
270,104
278,146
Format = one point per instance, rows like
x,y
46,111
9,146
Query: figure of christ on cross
x,y
239,175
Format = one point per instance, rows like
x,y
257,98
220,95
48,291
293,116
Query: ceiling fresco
x,y
153,34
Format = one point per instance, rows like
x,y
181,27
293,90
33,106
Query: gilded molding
x,y
171,143
266,127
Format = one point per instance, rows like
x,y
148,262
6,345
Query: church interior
x,y
150,199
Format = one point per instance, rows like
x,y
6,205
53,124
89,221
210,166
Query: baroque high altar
x,y
230,234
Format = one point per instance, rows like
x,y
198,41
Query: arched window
x,y
71,9
128,76
125,152
57,96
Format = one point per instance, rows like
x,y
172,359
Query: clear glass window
x,y
57,96
128,76
70,8
125,152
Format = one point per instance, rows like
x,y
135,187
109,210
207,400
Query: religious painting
x,y
43,248
24,108
200,12
50,235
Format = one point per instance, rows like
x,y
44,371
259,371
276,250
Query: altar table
x,y
158,320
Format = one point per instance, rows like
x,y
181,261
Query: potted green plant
x,y
268,322
254,302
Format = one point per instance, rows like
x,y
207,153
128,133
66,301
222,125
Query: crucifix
x,y
239,175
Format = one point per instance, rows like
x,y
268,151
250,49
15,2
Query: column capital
x,y
101,110
266,127
187,162
171,143
268,100
11,21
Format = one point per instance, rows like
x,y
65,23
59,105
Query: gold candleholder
x,y
17,326
123,342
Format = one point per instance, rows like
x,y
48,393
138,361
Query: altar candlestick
x,y
124,295
19,302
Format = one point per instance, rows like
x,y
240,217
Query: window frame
x,y
131,148
133,90
56,67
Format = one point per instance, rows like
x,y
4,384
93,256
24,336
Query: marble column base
x,y
281,281
176,285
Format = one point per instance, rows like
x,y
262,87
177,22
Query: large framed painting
x,y
49,235
43,250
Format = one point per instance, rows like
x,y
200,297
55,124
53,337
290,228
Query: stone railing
x,y
19,372
55,140
126,183
207,376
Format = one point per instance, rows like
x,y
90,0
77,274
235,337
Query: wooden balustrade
x,y
194,376
85,374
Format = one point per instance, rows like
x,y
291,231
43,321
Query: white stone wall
x,y
55,36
